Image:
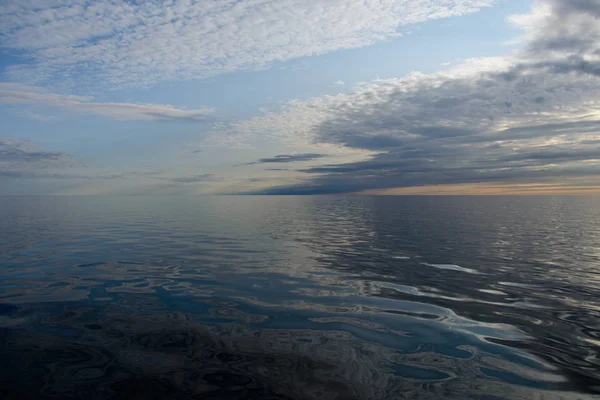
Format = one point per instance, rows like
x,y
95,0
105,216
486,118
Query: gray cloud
x,y
59,176
572,64
591,7
20,156
513,155
288,158
21,159
196,178
568,41
526,118
18,152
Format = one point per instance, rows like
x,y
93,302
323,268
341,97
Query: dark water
x,y
300,297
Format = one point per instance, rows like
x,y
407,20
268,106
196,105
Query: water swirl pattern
x,y
327,297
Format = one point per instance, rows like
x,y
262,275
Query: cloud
x,y
11,93
196,178
124,43
26,169
21,159
487,189
286,158
19,156
563,37
339,83
527,117
24,160
36,116
58,176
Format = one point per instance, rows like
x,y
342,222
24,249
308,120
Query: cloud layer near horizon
x,y
80,42
21,158
528,117
288,158
59,173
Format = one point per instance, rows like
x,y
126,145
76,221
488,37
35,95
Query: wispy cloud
x,y
124,43
23,159
39,174
22,153
288,158
37,116
11,93
522,118
196,178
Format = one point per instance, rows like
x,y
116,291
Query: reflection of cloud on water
x,y
365,314
89,351
325,271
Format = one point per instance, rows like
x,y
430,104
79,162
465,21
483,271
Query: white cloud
x,y
339,83
11,93
78,42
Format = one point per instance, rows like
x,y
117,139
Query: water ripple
x,y
300,298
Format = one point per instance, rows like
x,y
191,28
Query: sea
x,y
310,297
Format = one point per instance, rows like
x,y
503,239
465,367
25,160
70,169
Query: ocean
x,y
322,297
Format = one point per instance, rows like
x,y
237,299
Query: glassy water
x,y
300,297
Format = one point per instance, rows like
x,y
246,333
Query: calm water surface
x,y
300,297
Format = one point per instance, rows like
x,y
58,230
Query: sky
x,y
299,97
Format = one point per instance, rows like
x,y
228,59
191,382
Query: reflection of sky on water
x,y
455,292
